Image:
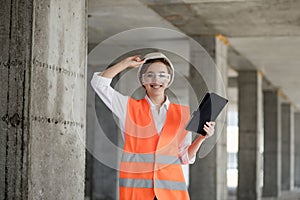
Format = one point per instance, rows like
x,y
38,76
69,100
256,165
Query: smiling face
x,y
157,72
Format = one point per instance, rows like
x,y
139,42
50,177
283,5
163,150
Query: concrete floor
x,y
290,195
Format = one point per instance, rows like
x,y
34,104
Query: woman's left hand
x,y
209,128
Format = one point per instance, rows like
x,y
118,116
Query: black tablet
x,y
208,110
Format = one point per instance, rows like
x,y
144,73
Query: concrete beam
x,y
209,17
250,118
239,62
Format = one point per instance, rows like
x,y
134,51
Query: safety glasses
x,y
160,78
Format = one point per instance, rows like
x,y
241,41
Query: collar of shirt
x,y
165,104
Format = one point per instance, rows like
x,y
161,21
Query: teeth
x,y
155,86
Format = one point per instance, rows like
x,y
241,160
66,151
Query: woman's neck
x,y
158,100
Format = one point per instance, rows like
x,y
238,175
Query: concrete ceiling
x,y
107,17
266,32
235,18
278,58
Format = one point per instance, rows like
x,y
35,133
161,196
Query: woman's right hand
x,y
132,61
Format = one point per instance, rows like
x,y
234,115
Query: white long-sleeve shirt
x,y
117,103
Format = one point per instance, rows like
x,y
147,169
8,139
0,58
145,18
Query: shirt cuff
x,y
191,160
186,160
100,80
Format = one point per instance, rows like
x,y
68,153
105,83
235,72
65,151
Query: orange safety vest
x,y
150,165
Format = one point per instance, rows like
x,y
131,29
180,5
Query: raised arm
x,y
114,100
132,61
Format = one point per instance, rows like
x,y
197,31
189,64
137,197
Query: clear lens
x,y
161,78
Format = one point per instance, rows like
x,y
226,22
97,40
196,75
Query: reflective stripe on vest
x,y
160,159
144,183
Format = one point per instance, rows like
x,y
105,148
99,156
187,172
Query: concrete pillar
x,y
287,173
208,174
272,144
16,42
250,118
101,180
105,178
42,109
297,149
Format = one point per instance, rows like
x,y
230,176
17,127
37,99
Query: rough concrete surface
x,y
272,144
250,118
58,91
287,143
297,149
15,53
43,73
209,172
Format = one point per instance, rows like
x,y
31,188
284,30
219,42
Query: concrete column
x,y
15,39
250,118
297,149
42,109
105,178
208,174
272,144
101,180
287,173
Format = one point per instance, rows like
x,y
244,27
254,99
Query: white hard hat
x,y
154,56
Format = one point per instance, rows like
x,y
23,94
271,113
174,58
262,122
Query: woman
x,y
155,142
